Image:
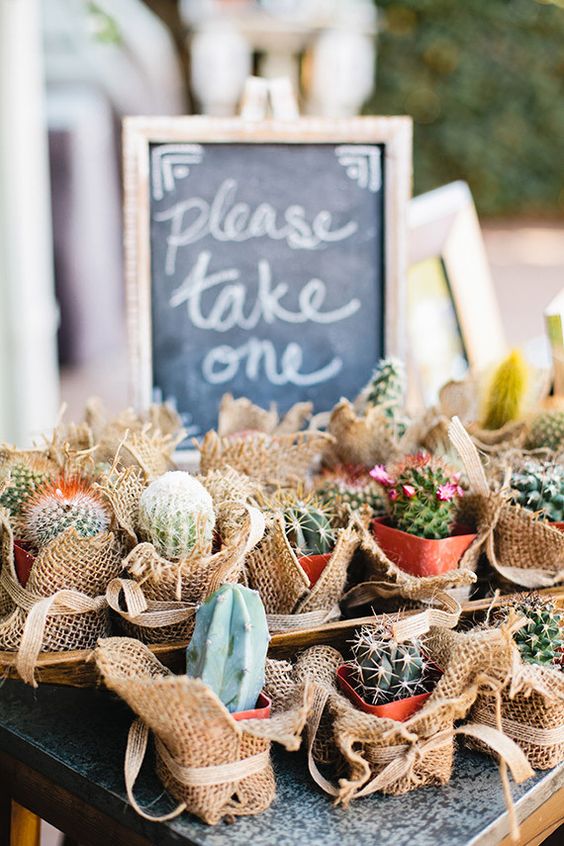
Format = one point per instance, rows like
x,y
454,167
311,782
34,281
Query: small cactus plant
x,y
229,645
541,639
387,391
308,527
506,394
63,504
423,495
176,513
25,477
547,430
539,487
353,486
384,670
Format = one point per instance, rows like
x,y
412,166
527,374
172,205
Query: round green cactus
x,y
384,670
25,476
175,513
308,528
547,430
539,487
352,486
541,639
61,505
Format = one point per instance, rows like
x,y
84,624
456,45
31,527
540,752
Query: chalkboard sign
x,y
264,259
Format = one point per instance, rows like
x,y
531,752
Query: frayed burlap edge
x,y
274,570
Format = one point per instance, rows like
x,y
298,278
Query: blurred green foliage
x,y
484,82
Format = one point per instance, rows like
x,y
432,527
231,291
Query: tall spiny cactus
x,y
506,393
229,645
176,512
387,390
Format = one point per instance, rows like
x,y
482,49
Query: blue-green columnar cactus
x,y
229,645
175,512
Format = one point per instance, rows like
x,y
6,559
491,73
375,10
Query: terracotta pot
x,y
559,526
260,712
23,560
422,556
314,565
400,710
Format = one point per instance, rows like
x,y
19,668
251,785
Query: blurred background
x,y
483,80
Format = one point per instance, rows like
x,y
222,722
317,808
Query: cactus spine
x,y
506,394
539,487
352,486
387,391
176,513
308,528
63,504
384,670
422,496
229,645
547,430
25,477
541,640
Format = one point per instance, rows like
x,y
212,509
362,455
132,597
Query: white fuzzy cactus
x,y
175,513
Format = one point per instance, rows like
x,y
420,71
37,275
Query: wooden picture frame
x,y
443,224
393,133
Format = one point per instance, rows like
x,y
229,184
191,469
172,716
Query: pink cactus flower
x,y
409,491
447,492
393,494
381,475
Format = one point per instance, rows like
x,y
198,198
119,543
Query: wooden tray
x,y
77,668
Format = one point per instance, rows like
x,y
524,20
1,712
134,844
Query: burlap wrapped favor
x,y
258,443
63,605
157,601
531,710
370,753
522,549
273,569
213,765
385,582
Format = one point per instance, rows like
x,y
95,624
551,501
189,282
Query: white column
x,y
28,318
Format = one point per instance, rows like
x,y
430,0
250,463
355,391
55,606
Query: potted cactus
x,y
176,514
539,487
351,485
541,640
546,431
63,503
228,650
308,528
421,533
385,677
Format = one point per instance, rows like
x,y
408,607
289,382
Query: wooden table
x,y
61,757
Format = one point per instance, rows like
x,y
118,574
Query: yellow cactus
x,y
506,394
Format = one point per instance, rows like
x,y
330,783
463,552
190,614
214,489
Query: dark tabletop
x,y
77,739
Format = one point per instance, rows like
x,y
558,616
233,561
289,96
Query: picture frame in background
x,y
347,181
453,317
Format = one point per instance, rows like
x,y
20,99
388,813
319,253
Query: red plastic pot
x,y
557,525
260,712
314,565
23,560
400,710
422,556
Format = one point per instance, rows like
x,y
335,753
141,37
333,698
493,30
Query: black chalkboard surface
x,y
267,272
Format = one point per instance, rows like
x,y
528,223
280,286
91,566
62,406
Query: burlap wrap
x,y
158,600
522,549
274,570
532,711
387,582
371,753
210,763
